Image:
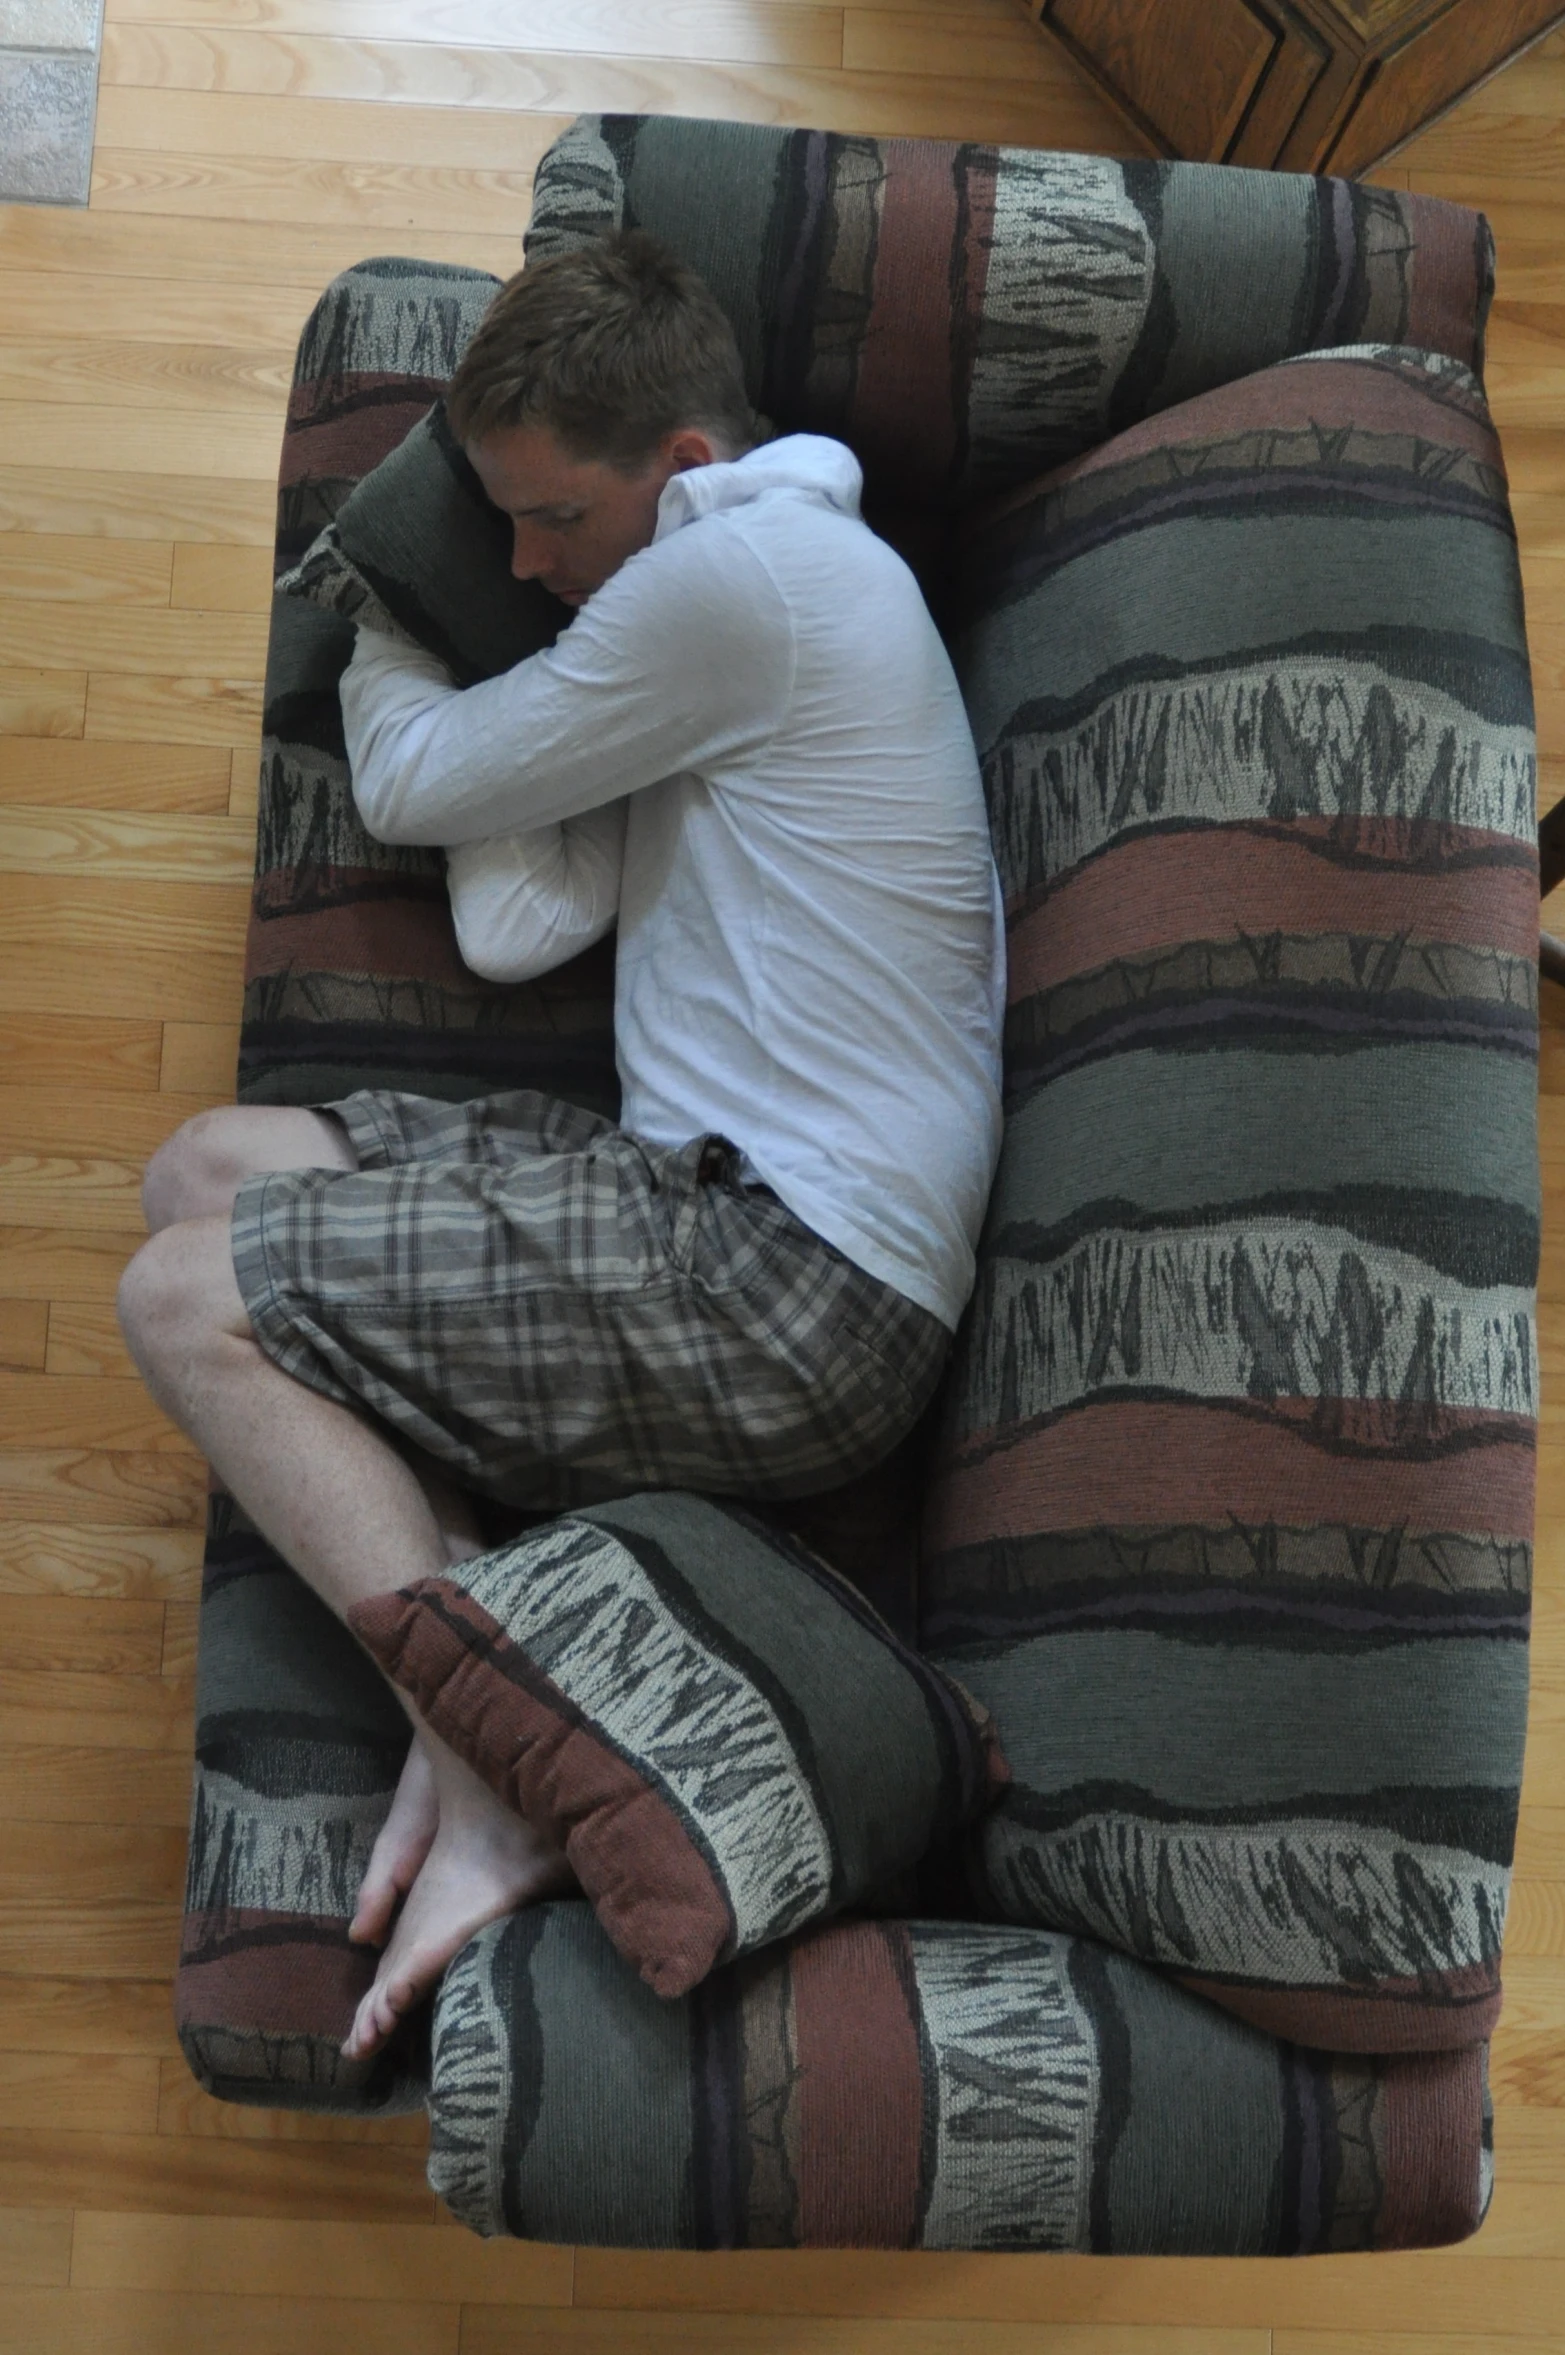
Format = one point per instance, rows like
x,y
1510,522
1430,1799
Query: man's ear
x,y
690,446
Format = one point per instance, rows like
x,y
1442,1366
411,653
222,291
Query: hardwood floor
x,y
247,149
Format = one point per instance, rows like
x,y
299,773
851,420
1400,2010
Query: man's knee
x,y
190,1172
199,1169
179,1289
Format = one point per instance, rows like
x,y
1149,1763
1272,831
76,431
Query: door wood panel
x,y
1309,85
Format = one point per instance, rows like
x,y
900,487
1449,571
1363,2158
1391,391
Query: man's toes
x,y
377,2016
371,1923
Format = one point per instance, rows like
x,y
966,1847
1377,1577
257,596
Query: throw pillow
x,y
418,552
724,1737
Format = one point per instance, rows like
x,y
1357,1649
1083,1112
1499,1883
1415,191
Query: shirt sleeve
x,y
683,660
523,903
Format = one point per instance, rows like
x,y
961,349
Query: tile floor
x,y
48,93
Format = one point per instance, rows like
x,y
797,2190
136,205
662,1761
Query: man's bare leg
x,y
344,1508
196,1174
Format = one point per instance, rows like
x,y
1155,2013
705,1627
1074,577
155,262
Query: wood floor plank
x,y
171,950
24,1335
181,1639
35,2247
249,2255
42,702
41,238
104,1713
100,1864
184,710
80,1190
129,505
85,1338
1530,2144
85,2322
493,2330
140,1565
209,377
89,2015
137,846
1230,2293
914,41
43,1263
50,1118
113,638
392,199
57,1933
1525,2220
159,438
44,1782
244,789
200,1058
1458,154
753,32
114,1636
108,307
557,82
230,122
222,580
89,1488
199,2175
63,1409
61,568
1535,1923
1423,2342
184,2109
1540,1849
96,2093
66,774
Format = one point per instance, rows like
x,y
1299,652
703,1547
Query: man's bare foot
x,y
484,1862
397,1858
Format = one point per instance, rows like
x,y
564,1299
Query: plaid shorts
x,y
558,1314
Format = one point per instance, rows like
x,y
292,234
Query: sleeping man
x,y
748,751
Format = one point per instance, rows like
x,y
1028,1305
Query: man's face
x,y
576,520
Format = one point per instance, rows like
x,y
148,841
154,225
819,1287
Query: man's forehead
x,y
525,468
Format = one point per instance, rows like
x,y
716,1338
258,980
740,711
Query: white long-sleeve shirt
x,y
750,746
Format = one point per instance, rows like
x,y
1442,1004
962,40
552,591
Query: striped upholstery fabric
x,y
1231,1524
927,2085
965,315
299,1744
723,1738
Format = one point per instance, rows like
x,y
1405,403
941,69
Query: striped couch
x,y
1227,1512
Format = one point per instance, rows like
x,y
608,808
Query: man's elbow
x,y
383,815
492,957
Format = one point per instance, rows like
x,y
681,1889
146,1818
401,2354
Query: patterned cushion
x,y
298,1749
723,1736
964,315
930,2085
1231,1527
418,551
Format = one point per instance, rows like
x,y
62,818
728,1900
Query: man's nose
x,y
530,551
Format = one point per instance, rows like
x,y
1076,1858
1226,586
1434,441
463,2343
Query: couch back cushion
x,y
1230,1524
964,315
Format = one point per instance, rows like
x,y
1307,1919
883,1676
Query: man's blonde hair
x,y
611,346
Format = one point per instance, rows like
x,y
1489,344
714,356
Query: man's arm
x,y
523,903
683,660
